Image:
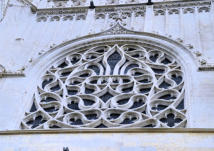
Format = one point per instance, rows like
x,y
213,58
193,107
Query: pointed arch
x,y
60,79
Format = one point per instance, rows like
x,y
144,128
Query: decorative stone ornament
x,y
4,73
110,86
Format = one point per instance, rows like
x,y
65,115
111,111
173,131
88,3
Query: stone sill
x,y
100,130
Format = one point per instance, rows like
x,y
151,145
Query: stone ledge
x,y
100,130
206,68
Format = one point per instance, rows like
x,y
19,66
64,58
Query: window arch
x,y
116,85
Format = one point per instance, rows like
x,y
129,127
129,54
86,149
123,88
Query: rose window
x,y
112,86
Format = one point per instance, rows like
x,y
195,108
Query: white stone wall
x,y
25,35
109,142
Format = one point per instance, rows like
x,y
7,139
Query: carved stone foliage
x,y
110,86
124,15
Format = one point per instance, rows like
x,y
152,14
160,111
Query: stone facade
x,y
48,46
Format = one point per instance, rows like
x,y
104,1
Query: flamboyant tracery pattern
x,y
113,86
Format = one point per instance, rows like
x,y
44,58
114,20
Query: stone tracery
x,y
112,86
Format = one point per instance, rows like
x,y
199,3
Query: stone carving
x,y
100,16
68,17
55,18
117,29
4,73
203,62
42,19
80,16
123,15
65,3
188,7
122,12
119,17
188,10
140,13
173,11
204,9
61,14
159,12
110,86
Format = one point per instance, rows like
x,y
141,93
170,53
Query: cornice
x,y
157,5
173,7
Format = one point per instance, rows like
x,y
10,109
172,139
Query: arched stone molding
x,y
116,34
120,32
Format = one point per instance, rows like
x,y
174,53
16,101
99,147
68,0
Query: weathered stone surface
x,y
35,34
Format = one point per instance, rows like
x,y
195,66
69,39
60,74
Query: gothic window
x,y
112,86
